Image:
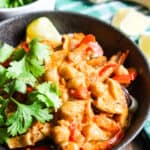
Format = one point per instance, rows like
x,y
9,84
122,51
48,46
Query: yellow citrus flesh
x,y
131,22
43,29
144,44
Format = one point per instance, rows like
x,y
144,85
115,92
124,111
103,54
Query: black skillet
x,y
12,31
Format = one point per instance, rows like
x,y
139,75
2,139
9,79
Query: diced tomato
x,y
29,89
105,68
25,47
80,93
72,129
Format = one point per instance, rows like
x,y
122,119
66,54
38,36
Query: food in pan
x,y
66,90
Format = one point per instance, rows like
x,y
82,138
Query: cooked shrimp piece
x,y
70,146
98,61
60,134
66,42
51,74
73,110
113,99
93,133
67,71
105,122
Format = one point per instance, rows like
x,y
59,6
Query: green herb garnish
x,y
14,3
26,69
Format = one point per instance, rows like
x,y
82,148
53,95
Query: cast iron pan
x,y
12,31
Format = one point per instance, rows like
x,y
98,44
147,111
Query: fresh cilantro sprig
x,y
3,135
3,76
47,93
14,3
26,69
5,51
21,120
46,96
3,105
31,66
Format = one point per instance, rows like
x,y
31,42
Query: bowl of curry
x,y
71,80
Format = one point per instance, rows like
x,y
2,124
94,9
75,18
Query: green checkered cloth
x,y
104,11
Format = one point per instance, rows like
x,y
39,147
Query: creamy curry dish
x,y
63,88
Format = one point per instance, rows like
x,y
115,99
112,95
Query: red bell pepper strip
x,y
72,129
88,38
105,68
126,79
123,79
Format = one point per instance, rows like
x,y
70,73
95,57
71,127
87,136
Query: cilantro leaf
x,y
48,94
31,65
38,50
5,51
15,85
21,120
25,69
3,105
20,71
28,78
36,56
4,135
35,67
3,76
18,54
17,68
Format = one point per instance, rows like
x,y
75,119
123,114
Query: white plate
x,y
38,5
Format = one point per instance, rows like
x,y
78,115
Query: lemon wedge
x,y
130,21
119,16
144,44
43,29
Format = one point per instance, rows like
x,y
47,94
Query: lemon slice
x,y
43,29
119,16
144,44
131,22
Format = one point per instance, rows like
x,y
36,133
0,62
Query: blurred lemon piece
x,y
144,44
119,16
43,29
130,21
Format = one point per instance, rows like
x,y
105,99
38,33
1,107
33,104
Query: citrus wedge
x,y
119,16
43,29
144,44
131,22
